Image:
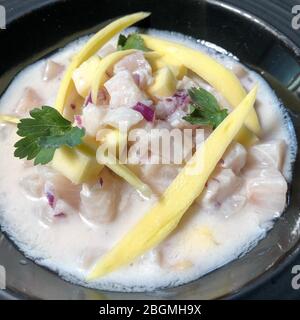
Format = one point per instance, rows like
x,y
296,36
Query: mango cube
x,y
83,76
77,164
157,62
164,84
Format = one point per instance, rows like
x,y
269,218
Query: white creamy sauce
x,y
70,246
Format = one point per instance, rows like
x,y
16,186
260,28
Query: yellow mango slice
x,y
246,137
100,73
163,218
91,47
83,76
73,103
77,164
110,161
164,84
124,172
9,119
209,69
113,138
159,61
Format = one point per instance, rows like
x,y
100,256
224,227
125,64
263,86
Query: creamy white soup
x,y
67,227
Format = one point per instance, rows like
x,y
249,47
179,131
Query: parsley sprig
x,y
132,41
204,109
43,133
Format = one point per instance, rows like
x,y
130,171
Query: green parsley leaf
x,y
43,133
132,41
205,109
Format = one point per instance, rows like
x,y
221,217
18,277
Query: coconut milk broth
x,y
70,246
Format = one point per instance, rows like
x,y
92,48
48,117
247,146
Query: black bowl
x,y
37,28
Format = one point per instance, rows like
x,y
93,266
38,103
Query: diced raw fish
x,y
138,66
29,100
165,108
222,185
186,83
234,158
122,116
269,154
176,120
99,202
92,118
233,204
103,97
65,190
123,90
33,185
266,190
106,50
52,70
158,176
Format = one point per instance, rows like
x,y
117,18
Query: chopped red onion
x,y
60,215
88,100
146,111
78,121
167,106
182,98
51,199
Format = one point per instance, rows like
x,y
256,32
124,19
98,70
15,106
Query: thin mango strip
x,y
91,47
124,172
164,217
218,76
104,157
100,74
9,119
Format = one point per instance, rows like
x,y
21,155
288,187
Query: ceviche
x,y
134,160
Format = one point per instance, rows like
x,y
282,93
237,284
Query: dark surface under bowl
x,y
36,28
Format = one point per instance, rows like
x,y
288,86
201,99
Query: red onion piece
x,y
78,121
167,106
146,111
88,100
51,199
182,98
60,215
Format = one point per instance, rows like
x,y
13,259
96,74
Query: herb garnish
x,y
43,133
204,109
132,41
